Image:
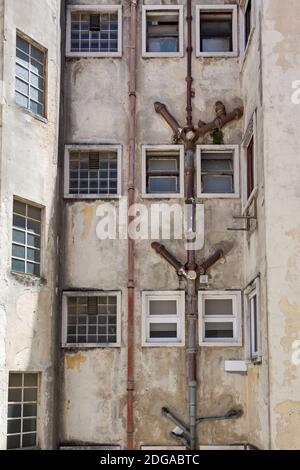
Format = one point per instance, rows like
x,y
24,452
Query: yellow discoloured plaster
x,y
74,361
87,212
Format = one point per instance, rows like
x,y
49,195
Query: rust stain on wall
x,y
75,361
87,211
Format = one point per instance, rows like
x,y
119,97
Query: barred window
x,y
22,410
94,32
93,172
30,76
26,238
92,319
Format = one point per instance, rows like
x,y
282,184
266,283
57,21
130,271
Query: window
x,y
248,22
249,163
220,318
26,238
163,318
162,31
94,31
91,319
162,168
30,75
92,171
22,410
216,29
218,171
252,310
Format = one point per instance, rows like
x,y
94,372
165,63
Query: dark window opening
x,y
248,22
162,32
94,22
217,174
163,173
216,32
250,167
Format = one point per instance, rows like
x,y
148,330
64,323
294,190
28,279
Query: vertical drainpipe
x,y
60,231
131,198
191,264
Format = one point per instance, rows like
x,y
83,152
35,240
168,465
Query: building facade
x,y
95,329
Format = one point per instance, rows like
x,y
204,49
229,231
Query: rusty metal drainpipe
x,y
191,263
131,198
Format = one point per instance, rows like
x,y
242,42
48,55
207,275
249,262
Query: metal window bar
x,y
86,37
93,173
23,402
92,320
26,235
30,76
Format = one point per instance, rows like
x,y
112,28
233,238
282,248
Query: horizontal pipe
x,y
220,121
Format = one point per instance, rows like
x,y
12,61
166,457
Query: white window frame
x,y
236,318
92,148
162,148
179,318
250,132
236,170
245,47
65,297
145,9
253,290
217,8
93,9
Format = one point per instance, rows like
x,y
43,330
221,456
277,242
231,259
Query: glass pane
x,y
162,45
218,307
219,330
14,411
36,108
30,394
30,380
29,440
15,380
33,226
29,410
37,54
217,184
162,307
33,269
36,81
22,87
162,164
22,72
161,184
19,221
33,240
216,45
13,426
22,59
18,237
36,67
18,251
22,44
36,95
216,24
15,394
21,100
18,266
19,208
33,255
215,162
13,442
163,330
29,425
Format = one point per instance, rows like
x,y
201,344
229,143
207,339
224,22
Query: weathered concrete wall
x,y
29,171
281,60
97,110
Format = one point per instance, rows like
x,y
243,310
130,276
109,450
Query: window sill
x,y
97,55
157,55
220,345
180,344
90,345
163,196
218,196
31,114
217,55
29,279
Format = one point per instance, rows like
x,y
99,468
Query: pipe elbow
x,y
159,106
